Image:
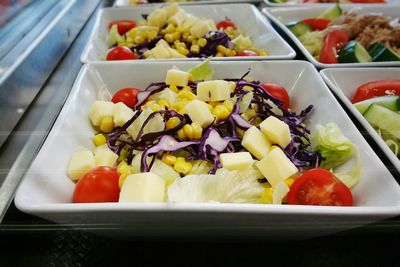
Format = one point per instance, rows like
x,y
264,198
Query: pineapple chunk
x,y
217,90
198,112
236,161
99,110
276,167
276,130
81,162
122,114
143,187
280,192
105,157
157,18
177,77
256,142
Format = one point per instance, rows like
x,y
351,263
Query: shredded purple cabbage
x,y
215,38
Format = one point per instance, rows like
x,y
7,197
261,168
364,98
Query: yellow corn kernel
x,y
219,54
197,130
195,49
202,42
147,104
221,112
152,35
132,33
170,28
122,43
163,103
185,36
262,53
182,111
183,51
188,131
168,159
176,35
222,49
174,88
140,39
213,103
172,122
169,38
289,181
186,89
266,196
248,88
181,104
182,166
144,34
99,139
232,53
122,179
186,95
181,134
155,107
107,124
190,39
123,167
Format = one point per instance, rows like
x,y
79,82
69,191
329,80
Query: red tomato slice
x,y
120,53
334,40
247,53
317,23
376,88
128,96
98,185
123,25
277,91
225,24
319,187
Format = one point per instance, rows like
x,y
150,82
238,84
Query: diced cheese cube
x,y
99,110
276,167
157,18
198,112
160,51
178,18
201,28
279,192
156,124
190,21
236,161
172,9
276,130
105,157
122,114
143,187
165,171
216,90
177,77
256,142
81,162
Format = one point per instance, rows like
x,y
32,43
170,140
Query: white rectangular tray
x,y
119,3
46,191
246,16
297,3
283,15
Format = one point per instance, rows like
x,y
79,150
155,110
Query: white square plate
x,y
344,84
119,3
284,15
46,191
298,3
246,16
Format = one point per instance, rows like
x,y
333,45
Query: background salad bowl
x,y
282,3
46,191
120,3
246,16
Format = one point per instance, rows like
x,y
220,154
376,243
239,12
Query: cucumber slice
x,y
299,28
379,52
331,13
354,52
390,102
383,118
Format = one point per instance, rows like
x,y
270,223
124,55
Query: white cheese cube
x,y
156,124
160,51
201,28
143,187
256,142
172,9
122,114
81,162
279,192
198,112
99,110
157,18
216,90
190,21
236,161
177,77
276,167
276,130
105,157
165,171
178,18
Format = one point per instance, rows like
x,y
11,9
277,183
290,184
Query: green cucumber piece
x,y
354,52
299,28
383,118
331,13
379,52
391,102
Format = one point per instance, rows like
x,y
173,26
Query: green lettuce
x,y
202,71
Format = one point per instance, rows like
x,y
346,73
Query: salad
x,y
192,138
328,1
347,37
379,103
171,32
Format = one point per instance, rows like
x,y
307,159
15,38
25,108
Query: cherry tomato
x,y
128,96
98,185
333,41
317,23
278,92
319,187
120,53
247,53
123,25
223,24
376,88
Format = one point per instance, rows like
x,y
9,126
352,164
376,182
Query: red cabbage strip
x,y
215,38
235,119
151,89
166,143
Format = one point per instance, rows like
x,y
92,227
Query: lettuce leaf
x,y
202,71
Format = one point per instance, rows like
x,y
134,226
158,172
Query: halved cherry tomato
x,y
223,24
277,91
368,1
98,185
319,187
120,53
123,25
376,88
317,23
247,53
333,41
128,96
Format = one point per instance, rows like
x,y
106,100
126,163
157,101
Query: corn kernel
x,y
248,88
262,53
168,159
170,28
122,179
266,196
181,134
180,29
186,95
139,39
107,124
197,130
132,33
289,181
99,139
232,53
222,49
185,36
228,104
169,38
176,35
155,107
202,42
186,89
182,111
123,167
219,54
213,103
144,34
164,104
172,122
180,104
188,131
182,166
183,51
174,88
221,112
190,39
195,49
152,35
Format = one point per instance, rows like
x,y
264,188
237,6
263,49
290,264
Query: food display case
x,y
53,67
